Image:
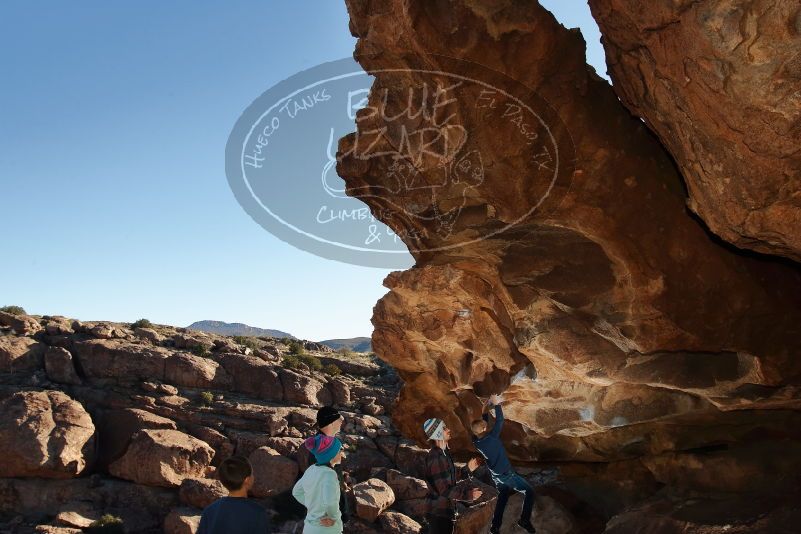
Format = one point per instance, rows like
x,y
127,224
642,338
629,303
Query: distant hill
x,y
356,344
235,329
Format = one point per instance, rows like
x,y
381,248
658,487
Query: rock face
x,y
718,81
630,316
162,458
44,434
556,262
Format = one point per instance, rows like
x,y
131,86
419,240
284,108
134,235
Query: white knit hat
x,y
434,429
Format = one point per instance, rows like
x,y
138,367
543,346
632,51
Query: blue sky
x,y
113,194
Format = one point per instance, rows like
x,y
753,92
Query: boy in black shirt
x,y
234,514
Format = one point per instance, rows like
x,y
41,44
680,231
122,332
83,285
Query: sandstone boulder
x,y
302,389
270,421
197,341
363,460
406,487
142,507
245,442
44,434
58,326
729,514
352,366
188,370
24,325
285,446
60,366
149,334
20,354
201,492
223,448
52,529
273,472
417,508
121,360
117,428
410,459
77,514
372,496
252,375
161,389
163,458
182,521
398,523
340,392
105,331
371,407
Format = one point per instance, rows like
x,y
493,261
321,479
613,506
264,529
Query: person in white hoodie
x,y
318,488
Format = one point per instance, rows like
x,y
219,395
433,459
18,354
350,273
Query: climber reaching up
x,y
506,480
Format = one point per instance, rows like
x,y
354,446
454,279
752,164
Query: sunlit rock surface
x,y
720,82
577,284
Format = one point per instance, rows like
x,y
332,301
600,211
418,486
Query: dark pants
x,y
506,484
438,524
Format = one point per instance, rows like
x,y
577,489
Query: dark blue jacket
x,y
491,446
234,515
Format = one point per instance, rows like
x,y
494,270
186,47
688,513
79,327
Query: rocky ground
x,y
104,418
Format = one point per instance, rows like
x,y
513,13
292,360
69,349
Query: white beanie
x,y
434,429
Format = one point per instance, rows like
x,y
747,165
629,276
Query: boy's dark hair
x,y
233,471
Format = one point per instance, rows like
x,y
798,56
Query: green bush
x,y
200,350
14,310
332,370
312,362
106,520
142,323
290,361
206,398
295,347
294,361
247,341
345,351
